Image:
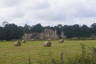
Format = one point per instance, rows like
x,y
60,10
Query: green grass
x,y
10,54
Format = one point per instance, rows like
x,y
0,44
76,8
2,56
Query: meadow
x,y
34,51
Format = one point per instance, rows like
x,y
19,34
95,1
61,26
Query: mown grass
x,y
10,54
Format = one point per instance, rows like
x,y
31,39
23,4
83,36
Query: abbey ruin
x,y
46,34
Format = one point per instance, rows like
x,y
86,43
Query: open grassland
x,y
10,54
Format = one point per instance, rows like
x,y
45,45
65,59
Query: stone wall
x,y
47,34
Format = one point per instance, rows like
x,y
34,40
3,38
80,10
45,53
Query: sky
x,y
48,12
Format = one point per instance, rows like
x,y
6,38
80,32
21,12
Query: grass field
x,y
10,54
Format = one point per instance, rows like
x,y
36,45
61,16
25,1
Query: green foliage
x,y
27,28
37,28
12,31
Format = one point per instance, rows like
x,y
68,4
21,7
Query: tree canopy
x,y
13,31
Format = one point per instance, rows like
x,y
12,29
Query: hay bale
x,y
32,39
94,51
61,41
17,43
23,41
47,44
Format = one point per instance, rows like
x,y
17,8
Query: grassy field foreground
x,y
10,54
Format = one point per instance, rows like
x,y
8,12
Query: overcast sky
x,y
48,12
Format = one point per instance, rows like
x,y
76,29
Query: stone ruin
x,y
45,35
50,34
27,36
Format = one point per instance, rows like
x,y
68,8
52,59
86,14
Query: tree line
x,y
13,31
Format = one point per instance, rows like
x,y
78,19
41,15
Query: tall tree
x,y
76,30
1,33
93,29
37,28
27,28
12,31
84,31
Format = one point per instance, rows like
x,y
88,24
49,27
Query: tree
x,y
37,28
76,30
12,31
4,23
68,31
84,31
1,33
27,28
93,29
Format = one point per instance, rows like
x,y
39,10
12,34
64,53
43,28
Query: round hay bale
x,y
32,39
94,51
47,44
61,41
17,43
23,41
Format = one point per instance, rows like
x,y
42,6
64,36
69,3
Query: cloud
x,y
9,3
48,12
